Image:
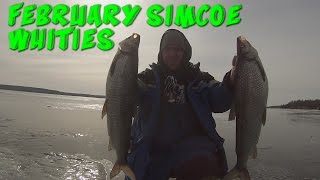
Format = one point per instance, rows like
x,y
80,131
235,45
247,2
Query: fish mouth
x,y
136,37
242,38
241,41
240,44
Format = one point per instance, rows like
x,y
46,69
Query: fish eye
x,y
241,45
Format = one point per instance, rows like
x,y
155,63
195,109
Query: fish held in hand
x,y
120,103
249,106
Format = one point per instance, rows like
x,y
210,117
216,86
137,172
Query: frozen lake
x,y
61,137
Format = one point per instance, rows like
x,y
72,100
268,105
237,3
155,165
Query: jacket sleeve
x,y
136,125
141,90
144,78
220,94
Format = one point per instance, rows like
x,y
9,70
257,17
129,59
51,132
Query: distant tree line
x,y
302,104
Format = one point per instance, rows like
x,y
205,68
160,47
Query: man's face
x,y
172,57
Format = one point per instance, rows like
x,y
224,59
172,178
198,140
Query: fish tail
x,y
122,167
236,172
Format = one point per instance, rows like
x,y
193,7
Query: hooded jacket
x,y
206,95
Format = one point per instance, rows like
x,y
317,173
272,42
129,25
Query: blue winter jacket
x,y
206,95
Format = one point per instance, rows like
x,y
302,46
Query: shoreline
x,y
278,107
55,92
45,91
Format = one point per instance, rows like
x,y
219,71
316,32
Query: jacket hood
x,y
176,38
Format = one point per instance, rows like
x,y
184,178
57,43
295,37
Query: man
x,y
173,133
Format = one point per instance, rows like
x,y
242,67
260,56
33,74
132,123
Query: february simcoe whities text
x,y
85,27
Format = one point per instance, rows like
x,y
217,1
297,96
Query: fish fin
x,y
125,168
232,113
254,152
115,170
236,172
104,109
109,145
264,116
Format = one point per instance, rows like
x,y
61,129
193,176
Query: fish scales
x,y
121,105
249,89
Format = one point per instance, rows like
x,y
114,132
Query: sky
x,y
285,33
